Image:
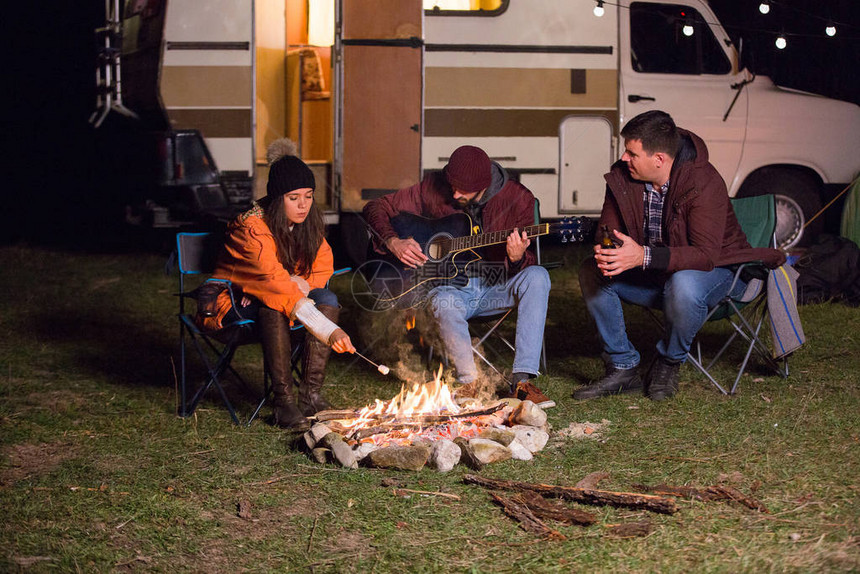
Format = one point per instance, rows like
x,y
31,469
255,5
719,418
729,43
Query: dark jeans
x,y
252,310
684,297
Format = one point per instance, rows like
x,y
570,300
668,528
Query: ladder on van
x,y
108,84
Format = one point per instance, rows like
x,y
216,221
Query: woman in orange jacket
x,y
279,262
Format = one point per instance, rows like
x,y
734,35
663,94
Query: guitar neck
x,y
494,237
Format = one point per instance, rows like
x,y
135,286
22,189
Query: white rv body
x,y
771,139
207,76
544,86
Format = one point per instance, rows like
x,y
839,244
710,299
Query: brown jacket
x,y
699,225
249,259
512,206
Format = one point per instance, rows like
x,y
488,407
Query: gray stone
x,y
400,457
315,434
363,449
479,452
528,413
422,441
329,439
343,454
511,403
518,451
444,455
502,436
488,451
530,437
321,455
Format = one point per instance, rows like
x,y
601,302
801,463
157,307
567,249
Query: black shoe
x,y
616,381
662,380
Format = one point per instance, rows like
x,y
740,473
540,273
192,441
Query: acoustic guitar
x,y
450,244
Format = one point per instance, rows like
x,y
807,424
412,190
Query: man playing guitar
x,y
473,184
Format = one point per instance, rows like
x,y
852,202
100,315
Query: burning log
x,y
390,423
528,521
583,495
359,434
431,419
330,415
706,494
349,414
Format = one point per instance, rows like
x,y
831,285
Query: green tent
x,y
850,228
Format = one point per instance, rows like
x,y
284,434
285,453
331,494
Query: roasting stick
x,y
381,368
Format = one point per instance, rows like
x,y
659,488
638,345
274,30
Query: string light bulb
x,y
764,7
781,42
599,11
687,29
830,30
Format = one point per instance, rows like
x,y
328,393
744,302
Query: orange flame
x,y
433,398
410,322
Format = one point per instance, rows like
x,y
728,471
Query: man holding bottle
x,y
675,239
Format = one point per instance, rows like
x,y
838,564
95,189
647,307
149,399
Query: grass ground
x,y
98,474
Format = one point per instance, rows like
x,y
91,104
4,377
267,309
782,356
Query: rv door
x,y
673,59
379,113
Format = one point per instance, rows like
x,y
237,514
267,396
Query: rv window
x,y
673,39
465,7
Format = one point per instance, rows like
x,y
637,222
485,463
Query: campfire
x,y
427,424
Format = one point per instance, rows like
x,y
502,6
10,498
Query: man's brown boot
x,y
274,330
314,362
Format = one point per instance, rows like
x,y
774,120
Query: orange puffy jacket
x,y
250,261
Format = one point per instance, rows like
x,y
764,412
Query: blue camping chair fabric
x,y
195,256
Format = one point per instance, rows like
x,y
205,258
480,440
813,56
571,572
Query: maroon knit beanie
x,y
469,169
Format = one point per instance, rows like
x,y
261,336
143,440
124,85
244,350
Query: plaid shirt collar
x,y
653,221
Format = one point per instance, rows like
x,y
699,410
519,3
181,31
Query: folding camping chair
x,y
196,254
746,314
195,257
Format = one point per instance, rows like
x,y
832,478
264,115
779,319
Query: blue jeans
x,y
684,297
320,296
528,291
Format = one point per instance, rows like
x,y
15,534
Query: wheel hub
x,y
789,221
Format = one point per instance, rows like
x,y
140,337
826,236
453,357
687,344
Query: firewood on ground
x,y
596,497
526,518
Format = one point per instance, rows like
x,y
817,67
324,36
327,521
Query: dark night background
x,y
62,185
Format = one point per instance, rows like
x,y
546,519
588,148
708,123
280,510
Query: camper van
x,y
377,92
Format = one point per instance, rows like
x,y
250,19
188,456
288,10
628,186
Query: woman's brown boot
x,y
314,362
274,329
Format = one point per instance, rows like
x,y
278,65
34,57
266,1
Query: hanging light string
x,y
802,12
773,3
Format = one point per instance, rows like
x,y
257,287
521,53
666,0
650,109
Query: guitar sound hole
x,y
438,247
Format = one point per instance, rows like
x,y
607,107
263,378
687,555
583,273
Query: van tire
x,y
798,199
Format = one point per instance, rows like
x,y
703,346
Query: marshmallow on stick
x,y
381,368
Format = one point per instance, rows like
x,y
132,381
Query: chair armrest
x,y
337,272
753,270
